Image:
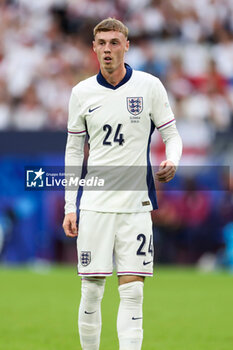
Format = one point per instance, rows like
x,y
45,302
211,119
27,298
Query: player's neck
x,y
115,77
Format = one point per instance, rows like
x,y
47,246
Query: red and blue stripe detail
x,y
76,132
166,123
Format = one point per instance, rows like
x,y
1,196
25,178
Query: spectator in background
x,y
30,114
4,106
153,64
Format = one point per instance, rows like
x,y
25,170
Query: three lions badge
x,y
135,105
85,258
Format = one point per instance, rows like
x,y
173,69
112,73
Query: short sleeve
x,y
76,120
161,113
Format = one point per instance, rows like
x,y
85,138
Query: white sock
x,y
129,320
89,320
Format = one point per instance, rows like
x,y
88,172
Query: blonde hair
x,y
109,24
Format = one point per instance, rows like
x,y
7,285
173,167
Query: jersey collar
x,y
102,81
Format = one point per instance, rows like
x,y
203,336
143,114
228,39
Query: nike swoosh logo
x,y
136,318
93,109
147,262
89,313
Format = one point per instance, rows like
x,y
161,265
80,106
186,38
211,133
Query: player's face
x,y
110,48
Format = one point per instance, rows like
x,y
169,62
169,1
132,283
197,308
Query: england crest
x,y
135,105
85,258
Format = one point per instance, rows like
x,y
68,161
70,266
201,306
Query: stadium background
x,y
45,49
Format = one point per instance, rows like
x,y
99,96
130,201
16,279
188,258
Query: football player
x,y
118,108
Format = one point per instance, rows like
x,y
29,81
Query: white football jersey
x,y
119,122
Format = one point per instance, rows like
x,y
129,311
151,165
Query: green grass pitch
x,y
183,310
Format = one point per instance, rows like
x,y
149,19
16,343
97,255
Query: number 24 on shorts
x,y
141,250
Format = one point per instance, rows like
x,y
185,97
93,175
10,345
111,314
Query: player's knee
x,y
132,292
93,288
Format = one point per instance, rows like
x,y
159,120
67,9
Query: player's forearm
x,y
73,157
173,143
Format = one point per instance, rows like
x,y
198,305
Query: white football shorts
x,y
125,238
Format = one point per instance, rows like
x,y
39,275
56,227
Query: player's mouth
x,y
107,59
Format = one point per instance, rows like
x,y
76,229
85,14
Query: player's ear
x,y
94,45
127,46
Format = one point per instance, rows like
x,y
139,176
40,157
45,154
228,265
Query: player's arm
x,y
164,120
73,157
173,144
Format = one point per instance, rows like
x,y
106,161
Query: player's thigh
x,y
95,243
134,245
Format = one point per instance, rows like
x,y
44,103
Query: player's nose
x,y
107,48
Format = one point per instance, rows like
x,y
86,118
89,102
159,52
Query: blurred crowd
x,y
45,49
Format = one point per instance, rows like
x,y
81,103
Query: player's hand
x,y
70,225
167,170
